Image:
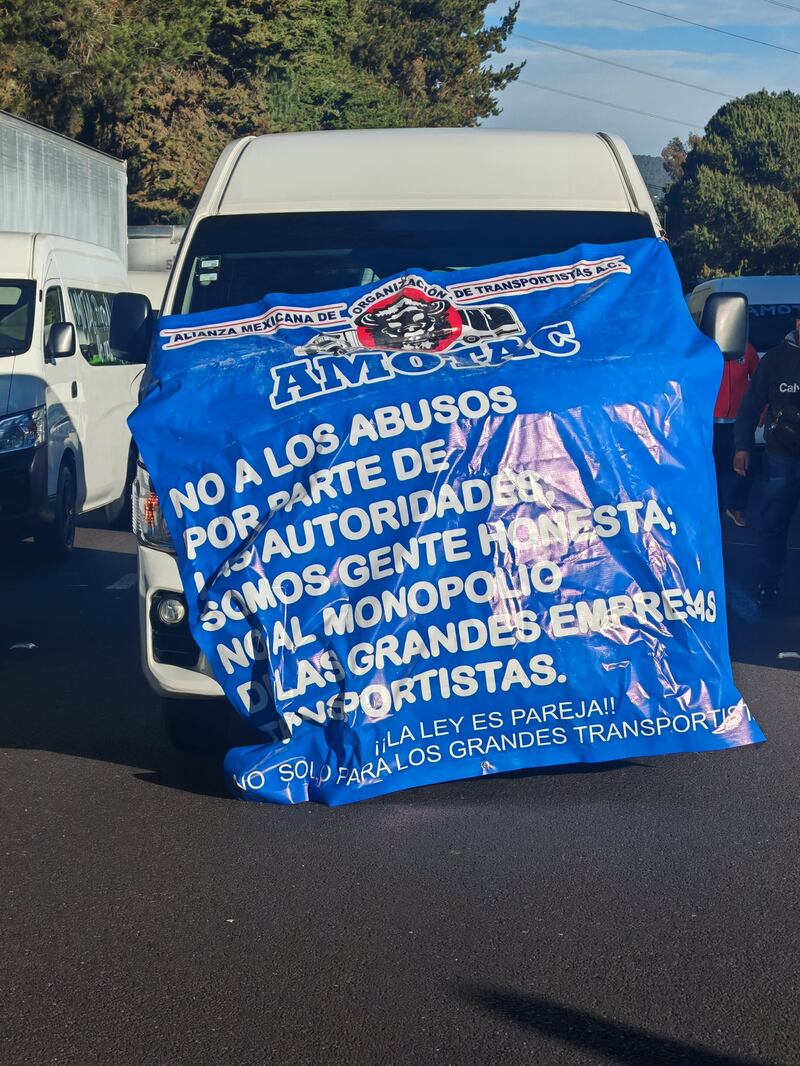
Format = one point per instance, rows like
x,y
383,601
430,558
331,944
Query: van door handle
x,y
74,389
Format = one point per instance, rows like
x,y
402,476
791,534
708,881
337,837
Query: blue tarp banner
x,y
450,524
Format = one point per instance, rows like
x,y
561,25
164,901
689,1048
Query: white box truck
x,y
65,447
308,212
51,184
151,254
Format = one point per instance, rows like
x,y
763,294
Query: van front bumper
x,y
172,663
24,503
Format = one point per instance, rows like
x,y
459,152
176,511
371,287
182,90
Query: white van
x,y
65,447
773,301
307,212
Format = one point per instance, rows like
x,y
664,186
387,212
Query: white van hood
x,y
22,386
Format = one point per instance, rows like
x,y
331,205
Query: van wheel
x,y
196,725
55,540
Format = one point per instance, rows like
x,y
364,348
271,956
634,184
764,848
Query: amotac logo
x,y
410,314
407,327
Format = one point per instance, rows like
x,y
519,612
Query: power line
x,y
779,3
607,103
621,66
702,26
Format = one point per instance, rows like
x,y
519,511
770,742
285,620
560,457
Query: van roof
x,y
758,288
17,259
426,169
21,249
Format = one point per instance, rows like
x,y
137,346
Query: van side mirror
x,y
61,341
131,329
724,320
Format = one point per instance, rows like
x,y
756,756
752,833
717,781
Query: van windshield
x,y
237,259
17,303
769,323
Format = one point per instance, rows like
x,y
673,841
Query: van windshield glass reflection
x,y
237,259
770,323
16,316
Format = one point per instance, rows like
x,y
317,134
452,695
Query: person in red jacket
x,y
732,492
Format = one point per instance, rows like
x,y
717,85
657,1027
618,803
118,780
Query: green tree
x,y
673,155
314,82
735,208
74,67
435,52
279,66
89,69
165,84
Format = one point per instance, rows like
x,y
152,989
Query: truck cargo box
x,y
52,184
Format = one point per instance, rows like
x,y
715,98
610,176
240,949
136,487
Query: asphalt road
x,y
638,913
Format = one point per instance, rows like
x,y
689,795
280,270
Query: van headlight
x,y
23,431
148,518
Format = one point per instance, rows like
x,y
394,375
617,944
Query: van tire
x,y
199,726
56,539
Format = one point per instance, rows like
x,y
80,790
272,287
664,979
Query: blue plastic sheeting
x,y
451,524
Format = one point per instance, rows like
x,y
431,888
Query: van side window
x,y
53,309
92,311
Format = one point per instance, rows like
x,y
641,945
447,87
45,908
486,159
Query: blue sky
x,y
609,30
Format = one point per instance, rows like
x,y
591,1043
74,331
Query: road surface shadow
x,y
70,679
611,1040
91,731
198,775
576,768
482,788
17,556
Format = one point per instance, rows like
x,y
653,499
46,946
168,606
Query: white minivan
x,y
309,212
65,446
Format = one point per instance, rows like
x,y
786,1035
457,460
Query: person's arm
x,y
752,361
755,399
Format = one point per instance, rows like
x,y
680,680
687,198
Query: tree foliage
x,y
166,84
434,53
674,154
735,207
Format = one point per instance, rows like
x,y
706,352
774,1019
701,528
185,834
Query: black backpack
x,y
783,430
